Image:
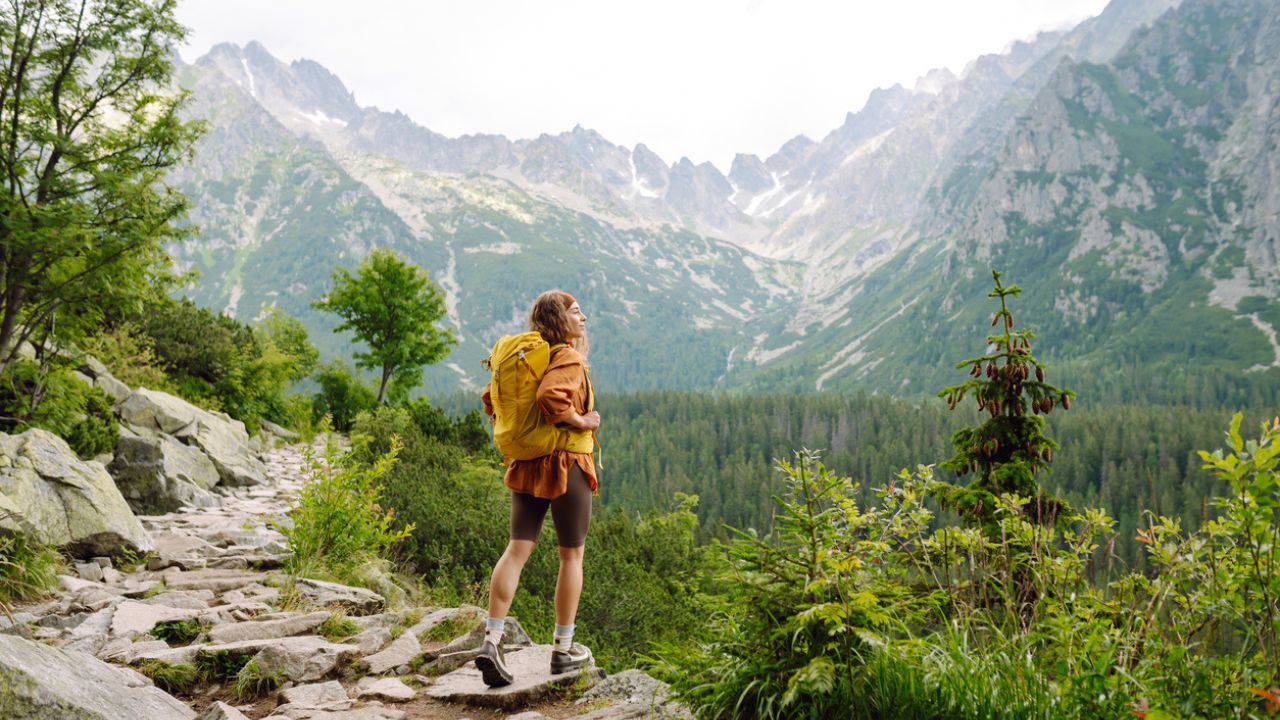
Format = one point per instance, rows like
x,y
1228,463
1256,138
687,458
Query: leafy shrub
x,y
53,398
197,346
885,614
342,395
128,353
220,362
338,525
432,422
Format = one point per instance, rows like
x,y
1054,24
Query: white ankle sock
x,y
493,629
563,637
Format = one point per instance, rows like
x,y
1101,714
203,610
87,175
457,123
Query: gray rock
x,y
93,367
60,500
114,389
387,689
221,711
159,474
401,651
314,694
91,571
302,659
280,432
633,694
264,629
372,640
224,440
358,600
531,667
134,618
38,682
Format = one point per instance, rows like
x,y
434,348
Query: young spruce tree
x,y
1009,447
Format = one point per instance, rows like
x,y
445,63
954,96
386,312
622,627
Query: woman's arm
x,y
563,378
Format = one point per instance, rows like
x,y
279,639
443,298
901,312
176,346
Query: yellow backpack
x,y
516,366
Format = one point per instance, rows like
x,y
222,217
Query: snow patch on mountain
x,y
319,118
249,74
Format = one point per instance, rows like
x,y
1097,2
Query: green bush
x,y
128,353
885,613
197,346
55,399
219,362
342,395
338,525
432,422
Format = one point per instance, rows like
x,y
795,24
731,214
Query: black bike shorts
x,y
571,512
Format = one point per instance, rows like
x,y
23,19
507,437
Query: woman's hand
x,y
590,421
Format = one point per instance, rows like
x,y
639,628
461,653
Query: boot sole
x,y
493,674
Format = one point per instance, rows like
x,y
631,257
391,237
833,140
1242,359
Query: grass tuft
x,y
172,678
252,683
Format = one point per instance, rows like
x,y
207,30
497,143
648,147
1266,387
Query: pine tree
x,y
1009,448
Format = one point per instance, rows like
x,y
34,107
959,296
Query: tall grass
x,y
28,569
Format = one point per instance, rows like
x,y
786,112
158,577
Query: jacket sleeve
x,y
488,402
556,390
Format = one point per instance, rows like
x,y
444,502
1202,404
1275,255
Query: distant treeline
x,y
1125,458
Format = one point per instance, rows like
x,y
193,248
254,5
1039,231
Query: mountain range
x,y
1124,172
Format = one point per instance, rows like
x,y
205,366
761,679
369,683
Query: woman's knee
x,y
571,554
520,550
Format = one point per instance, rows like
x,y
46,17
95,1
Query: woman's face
x,y
577,321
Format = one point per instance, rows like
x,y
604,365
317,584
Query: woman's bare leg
x,y
568,585
506,576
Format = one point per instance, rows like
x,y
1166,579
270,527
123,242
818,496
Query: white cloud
x,y
704,79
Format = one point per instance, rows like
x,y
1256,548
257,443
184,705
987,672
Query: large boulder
x,y
158,474
103,379
38,682
220,437
57,498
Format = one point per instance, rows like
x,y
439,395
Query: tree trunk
x,y
382,387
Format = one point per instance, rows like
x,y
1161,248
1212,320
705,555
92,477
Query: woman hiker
x,y
563,481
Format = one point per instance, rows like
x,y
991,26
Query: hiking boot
x,y
575,657
492,666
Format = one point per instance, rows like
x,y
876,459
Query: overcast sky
x,y
702,78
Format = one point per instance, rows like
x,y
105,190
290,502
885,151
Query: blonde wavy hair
x,y
549,317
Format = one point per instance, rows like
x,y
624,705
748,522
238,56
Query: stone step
x,y
533,681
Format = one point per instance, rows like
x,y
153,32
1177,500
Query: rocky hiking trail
x,y
210,596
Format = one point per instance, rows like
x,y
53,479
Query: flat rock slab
x,y
531,667
264,629
387,689
38,682
136,618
